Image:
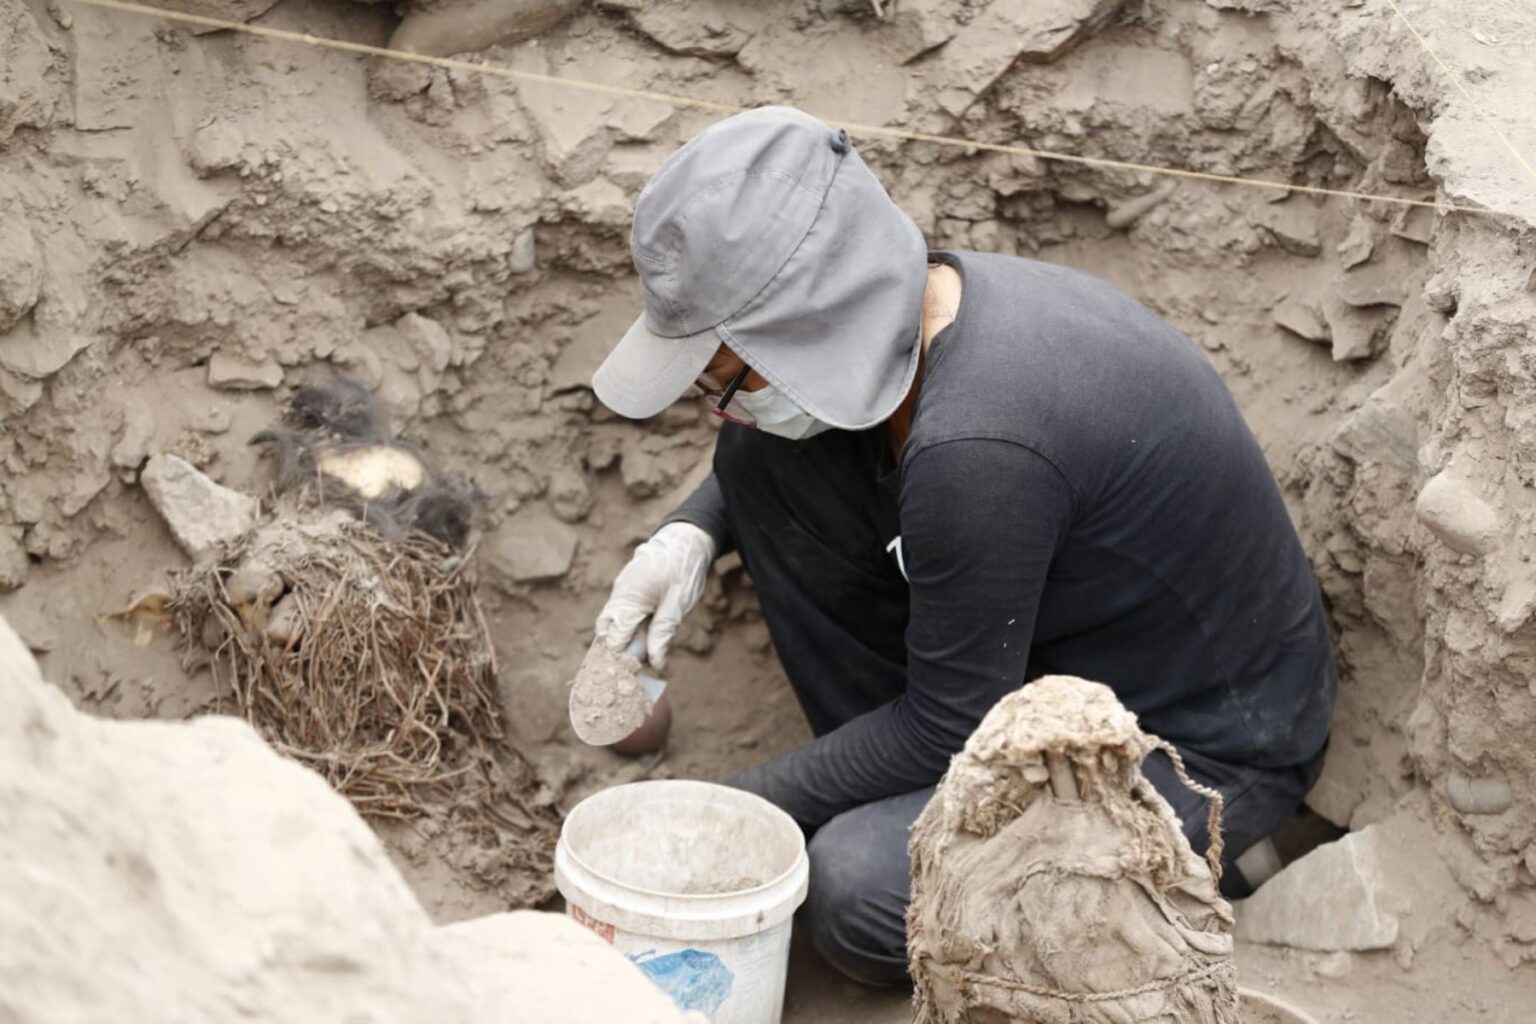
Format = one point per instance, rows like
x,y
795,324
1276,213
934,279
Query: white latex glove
x,y
663,580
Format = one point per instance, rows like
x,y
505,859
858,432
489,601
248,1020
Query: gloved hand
x,y
663,580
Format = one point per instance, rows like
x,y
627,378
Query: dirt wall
x,y
190,225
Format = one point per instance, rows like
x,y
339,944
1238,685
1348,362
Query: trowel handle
x,y
652,686
636,648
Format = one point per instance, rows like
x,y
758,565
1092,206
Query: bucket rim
x,y
799,862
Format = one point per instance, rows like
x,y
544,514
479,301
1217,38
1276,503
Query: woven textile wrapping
x,y
1051,883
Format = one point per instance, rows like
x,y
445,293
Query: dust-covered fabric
x,y
1051,883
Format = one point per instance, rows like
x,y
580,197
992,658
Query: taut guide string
x,y
691,102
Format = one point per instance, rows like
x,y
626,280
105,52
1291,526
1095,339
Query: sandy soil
x,y
458,243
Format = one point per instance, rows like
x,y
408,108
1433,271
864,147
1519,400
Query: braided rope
x,y
964,977
1213,820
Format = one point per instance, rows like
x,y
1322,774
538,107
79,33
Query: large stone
x,y
919,26
701,28
530,547
1377,283
179,871
1455,514
1390,883
469,26
1356,333
231,373
37,352
578,129
1379,432
21,266
1008,31
524,254
591,342
203,516
1329,900
1302,319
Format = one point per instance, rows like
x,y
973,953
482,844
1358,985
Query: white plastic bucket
x,y
696,883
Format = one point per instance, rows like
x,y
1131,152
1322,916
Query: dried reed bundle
x,y
367,659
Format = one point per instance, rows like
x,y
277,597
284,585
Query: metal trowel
x,y
612,694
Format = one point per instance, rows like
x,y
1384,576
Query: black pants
x,y
812,523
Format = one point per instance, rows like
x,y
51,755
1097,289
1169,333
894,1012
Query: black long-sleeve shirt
x,y
1079,494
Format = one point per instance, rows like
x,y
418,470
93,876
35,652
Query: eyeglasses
x,y
721,398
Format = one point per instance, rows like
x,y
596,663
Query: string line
x,y
713,106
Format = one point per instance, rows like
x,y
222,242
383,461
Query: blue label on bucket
x,y
695,980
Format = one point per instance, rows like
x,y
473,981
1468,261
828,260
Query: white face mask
x,y
774,413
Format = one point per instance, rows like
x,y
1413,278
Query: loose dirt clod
x,y
607,701
1051,882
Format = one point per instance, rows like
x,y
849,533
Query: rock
x,y
468,26
228,10
1380,432
523,256
1126,214
1356,334
392,81
203,516
132,448
215,148
700,28
599,202
1378,283
577,130
1455,514
13,559
1302,319
919,26
428,339
1358,244
1490,795
1414,223
285,621
529,547
1517,605
1290,225
651,464
1007,31
592,341
231,373
21,266
38,352
182,870
1441,292
1328,900
569,495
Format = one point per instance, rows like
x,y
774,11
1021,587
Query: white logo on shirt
x,y
894,547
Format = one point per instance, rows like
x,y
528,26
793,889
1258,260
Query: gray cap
x,y
768,233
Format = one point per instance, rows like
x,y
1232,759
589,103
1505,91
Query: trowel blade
x,y
652,686
612,695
